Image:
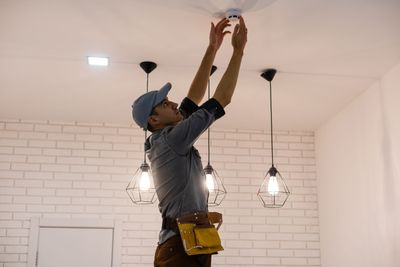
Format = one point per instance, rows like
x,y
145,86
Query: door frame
x,y
38,222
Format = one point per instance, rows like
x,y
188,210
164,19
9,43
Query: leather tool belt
x,y
199,234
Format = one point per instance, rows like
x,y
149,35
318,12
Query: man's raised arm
x,y
200,81
224,92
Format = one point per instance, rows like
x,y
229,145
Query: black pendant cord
x,y
147,83
145,132
208,130
270,112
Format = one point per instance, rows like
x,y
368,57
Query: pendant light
x,y
216,189
273,192
141,188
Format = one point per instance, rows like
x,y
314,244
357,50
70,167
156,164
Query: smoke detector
x,y
233,14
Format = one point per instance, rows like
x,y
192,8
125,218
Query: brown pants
x,y
171,254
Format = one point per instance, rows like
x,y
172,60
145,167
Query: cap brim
x,y
162,93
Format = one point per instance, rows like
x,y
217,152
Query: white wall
x,y
76,170
358,157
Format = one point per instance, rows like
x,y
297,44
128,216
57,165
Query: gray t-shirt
x,y
176,164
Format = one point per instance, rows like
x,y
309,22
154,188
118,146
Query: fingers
x,y
241,22
236,30
218,32
240,28
239,37
222,21
242,25
222,24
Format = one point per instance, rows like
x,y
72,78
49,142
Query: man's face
x,y
167,113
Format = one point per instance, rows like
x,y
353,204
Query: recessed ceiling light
x,y
98,61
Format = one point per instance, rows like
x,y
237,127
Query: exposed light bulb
x,y
210,182
144,183
273,187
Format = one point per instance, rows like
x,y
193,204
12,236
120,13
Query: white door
x,y
74,243
74,247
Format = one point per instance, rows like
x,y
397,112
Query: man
x,y
175,163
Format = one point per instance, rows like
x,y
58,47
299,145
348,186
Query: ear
x,y
153,121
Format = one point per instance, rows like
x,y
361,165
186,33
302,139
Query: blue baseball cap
x,y
142,107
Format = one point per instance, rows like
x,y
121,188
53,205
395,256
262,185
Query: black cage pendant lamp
x,y
273,192
216,189
141,188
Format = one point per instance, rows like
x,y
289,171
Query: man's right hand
x,y
239,36
218,32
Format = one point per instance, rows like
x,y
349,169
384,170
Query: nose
x,y
174,105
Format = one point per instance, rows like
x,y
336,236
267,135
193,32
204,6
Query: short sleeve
x,y
187,107
183,136
214,107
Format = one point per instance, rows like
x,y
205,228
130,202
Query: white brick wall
x,y
80,170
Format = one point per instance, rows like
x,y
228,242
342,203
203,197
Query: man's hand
x,y
239,36
218,32
226,87
199,84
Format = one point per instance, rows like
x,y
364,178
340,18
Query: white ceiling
x,y
326,53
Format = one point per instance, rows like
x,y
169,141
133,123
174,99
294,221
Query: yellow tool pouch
x,y
198,233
